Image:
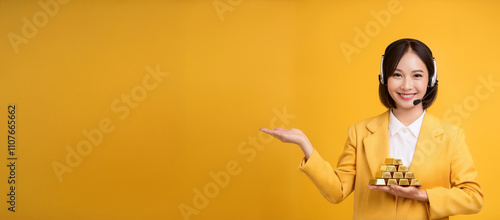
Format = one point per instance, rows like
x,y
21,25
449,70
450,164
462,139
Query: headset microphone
x,y
418,101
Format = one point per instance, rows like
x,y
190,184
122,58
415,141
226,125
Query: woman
x,y
434,150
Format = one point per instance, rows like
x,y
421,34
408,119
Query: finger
x,y
279,129
265,130
380,188
275,134
400,189
410,190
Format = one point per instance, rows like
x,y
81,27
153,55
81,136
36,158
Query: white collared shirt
x,y
403,140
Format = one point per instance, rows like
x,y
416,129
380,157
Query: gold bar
x,y
388,168
392,182
383,168
403,168
397,175
415,182
393,161
377,182
403,182
386,175
378,175
409,175
398,162
389,161
391,168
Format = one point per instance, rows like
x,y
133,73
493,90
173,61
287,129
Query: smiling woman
x,y
417,58
433,148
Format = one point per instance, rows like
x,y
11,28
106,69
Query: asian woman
x,y
433,149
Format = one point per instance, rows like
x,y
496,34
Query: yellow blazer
x,y
441,161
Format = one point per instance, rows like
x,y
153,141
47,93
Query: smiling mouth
x,y
407,96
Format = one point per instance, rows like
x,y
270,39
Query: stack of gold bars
x,y
394,173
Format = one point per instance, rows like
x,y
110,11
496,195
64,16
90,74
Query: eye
x,y
397,75
417,75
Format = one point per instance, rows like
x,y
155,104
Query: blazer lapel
x,y
377,143
426,155
428,147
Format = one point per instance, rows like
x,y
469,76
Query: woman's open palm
x,y
291,135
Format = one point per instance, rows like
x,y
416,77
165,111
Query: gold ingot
x,y
409,175
393,172
415,182
393,161
392,182
398,162
388,168
397,175
389,160
377,182
386,175
403,182
383,168
403,168
391,168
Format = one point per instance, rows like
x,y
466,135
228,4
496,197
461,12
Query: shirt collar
x,y
395,125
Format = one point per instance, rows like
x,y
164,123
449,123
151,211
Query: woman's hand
x,y
292,135
410,192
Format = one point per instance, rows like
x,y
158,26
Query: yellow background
x,y
230,71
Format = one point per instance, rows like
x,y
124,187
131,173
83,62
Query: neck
x,y
408,116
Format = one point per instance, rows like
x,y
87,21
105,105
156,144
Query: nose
x,y
407,83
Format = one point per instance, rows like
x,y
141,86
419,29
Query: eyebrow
x,y
414,71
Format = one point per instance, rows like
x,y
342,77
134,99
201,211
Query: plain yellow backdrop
x,y
187,141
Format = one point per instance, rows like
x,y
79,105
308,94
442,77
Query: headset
x,y
432,83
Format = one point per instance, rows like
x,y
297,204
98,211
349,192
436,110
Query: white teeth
x,y
407,96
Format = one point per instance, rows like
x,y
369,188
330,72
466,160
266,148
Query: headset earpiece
x,y
434,76
381,76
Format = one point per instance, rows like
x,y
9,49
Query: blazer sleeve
x,y
334,184
465,195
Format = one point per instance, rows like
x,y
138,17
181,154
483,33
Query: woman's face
x,y
409,81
